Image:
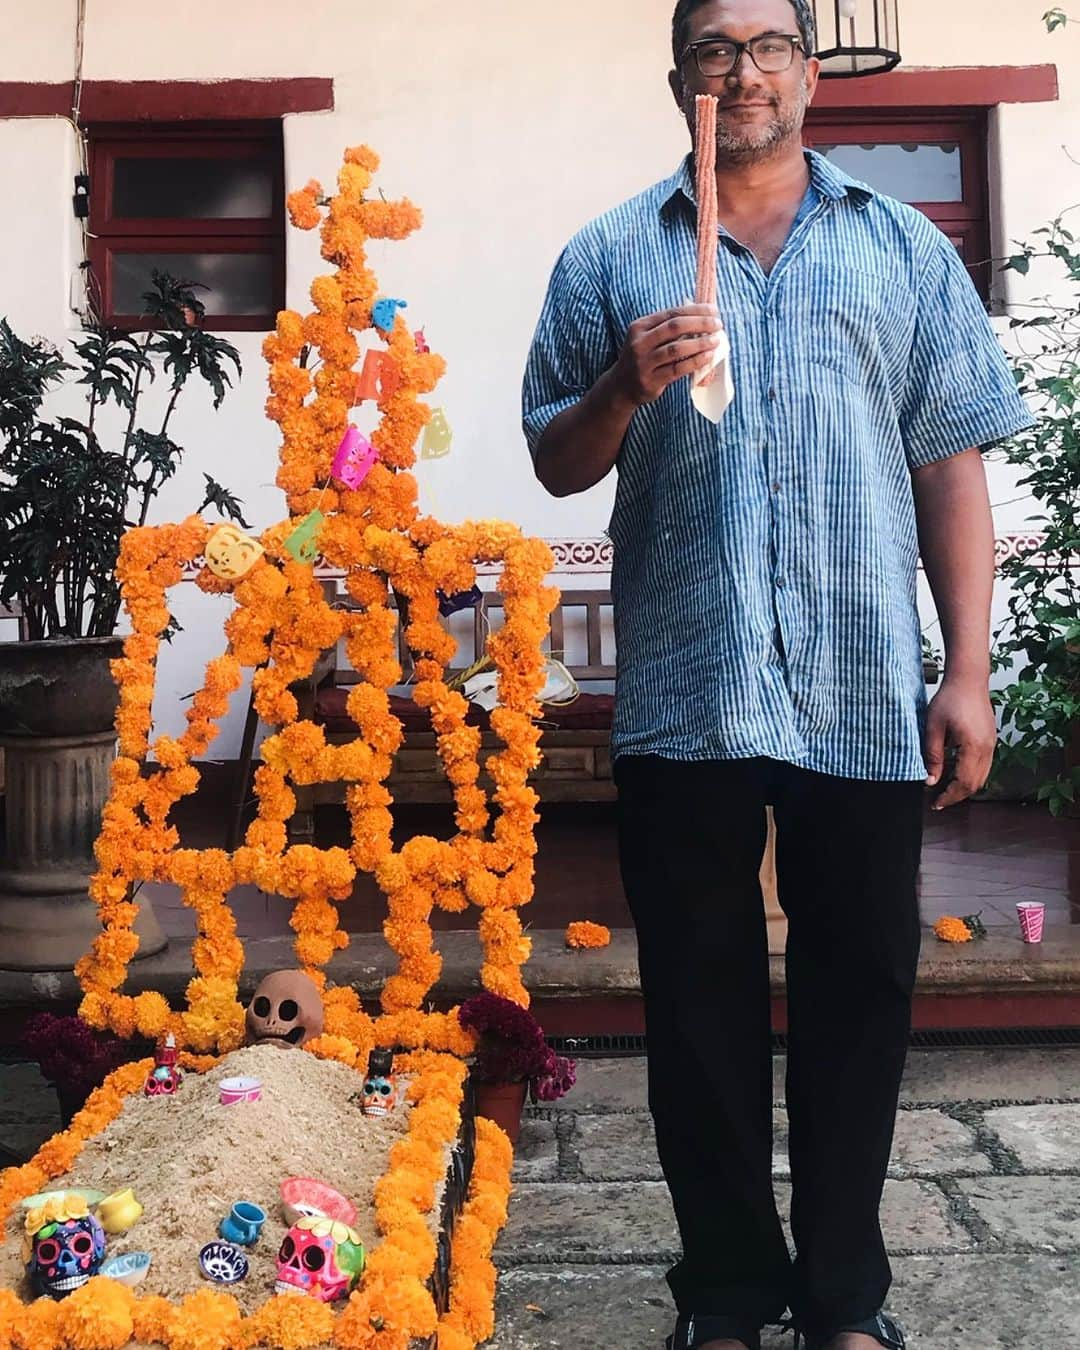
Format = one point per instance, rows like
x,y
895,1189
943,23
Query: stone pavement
x,y
981,1210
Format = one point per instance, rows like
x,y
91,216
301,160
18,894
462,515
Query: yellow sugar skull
x,y
231,554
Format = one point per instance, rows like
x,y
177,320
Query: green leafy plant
x,y
1056,18
1040,709
66,495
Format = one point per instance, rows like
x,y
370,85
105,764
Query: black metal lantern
x,y
857,37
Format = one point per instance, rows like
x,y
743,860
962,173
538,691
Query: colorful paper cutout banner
x,y
437,437
378,378
230,554
354,459
384,312
303,543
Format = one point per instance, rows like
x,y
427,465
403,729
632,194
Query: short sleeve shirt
x,y
764,576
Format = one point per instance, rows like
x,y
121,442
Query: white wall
x,y
510,127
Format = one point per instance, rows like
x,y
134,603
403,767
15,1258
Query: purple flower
x,y
511,1047
556,1080
73,1056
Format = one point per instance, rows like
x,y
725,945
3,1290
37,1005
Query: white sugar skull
x,y
65,1254
321,1258
381,1089
381,1095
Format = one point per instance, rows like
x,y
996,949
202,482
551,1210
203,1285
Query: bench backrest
x,y
578,614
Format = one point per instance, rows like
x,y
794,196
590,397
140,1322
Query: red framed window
x,y
934,160
203,202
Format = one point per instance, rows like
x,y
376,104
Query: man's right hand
x,y
662,348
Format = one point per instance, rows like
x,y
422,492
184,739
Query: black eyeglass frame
x,y
692,48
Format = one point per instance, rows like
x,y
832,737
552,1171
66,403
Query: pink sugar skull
x,y
319,1257
166,1075
354,459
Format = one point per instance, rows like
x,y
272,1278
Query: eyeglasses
x,y
771,53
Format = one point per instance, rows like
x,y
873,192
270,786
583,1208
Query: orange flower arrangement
x,y
281,623
951,929
587,935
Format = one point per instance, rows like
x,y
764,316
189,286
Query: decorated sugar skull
x,y
231,554
286,1009
166,1075
319,1257
381,1089
67,1245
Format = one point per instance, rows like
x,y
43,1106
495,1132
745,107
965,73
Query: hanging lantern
x,y
857,37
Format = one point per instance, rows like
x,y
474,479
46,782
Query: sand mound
x,y
189,1160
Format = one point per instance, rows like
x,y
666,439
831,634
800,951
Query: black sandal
x,y
692,1330
881,1326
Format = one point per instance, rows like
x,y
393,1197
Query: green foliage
x,y
1055,18
1041,636
66,498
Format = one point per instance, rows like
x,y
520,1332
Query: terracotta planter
x,y
57,704
502,1103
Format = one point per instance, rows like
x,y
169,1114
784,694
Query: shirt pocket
x,y
851,320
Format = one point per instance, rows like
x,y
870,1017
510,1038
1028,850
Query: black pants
x,y
691,839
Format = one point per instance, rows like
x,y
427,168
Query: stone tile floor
x,y
981,1210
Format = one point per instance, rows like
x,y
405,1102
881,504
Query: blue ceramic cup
x,y
243,1224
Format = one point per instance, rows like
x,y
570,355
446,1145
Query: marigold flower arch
x,y
282,621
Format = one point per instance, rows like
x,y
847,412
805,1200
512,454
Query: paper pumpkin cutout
x,y
384,312
354,459
437,437
303,543
230,554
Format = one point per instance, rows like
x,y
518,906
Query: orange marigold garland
x,y
391,1307
283,619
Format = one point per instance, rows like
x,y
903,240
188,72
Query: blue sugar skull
x,y
65,1254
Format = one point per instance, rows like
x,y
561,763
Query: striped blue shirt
x,y
764,576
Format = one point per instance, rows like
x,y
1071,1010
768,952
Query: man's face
x,y
755,112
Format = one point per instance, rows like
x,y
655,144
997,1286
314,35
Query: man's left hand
x,y
960,715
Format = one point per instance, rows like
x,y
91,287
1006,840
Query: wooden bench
x,y
577,764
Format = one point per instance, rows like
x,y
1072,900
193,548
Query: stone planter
x,y
57,704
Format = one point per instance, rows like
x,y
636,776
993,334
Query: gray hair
x,y
804,17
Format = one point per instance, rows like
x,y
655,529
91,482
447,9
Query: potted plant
x,y
69,488
1040,639
512,1058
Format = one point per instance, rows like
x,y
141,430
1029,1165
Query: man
x,y
769,652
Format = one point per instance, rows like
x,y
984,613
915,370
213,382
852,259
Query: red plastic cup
x,y
1032,915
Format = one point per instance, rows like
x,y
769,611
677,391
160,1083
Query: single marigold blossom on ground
x,y
951,929
587,935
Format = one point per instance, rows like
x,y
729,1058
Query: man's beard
x,y
746,145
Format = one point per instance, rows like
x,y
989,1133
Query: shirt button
x,y
776,487
772,395
779,581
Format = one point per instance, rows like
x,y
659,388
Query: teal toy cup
x,y
243,1224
